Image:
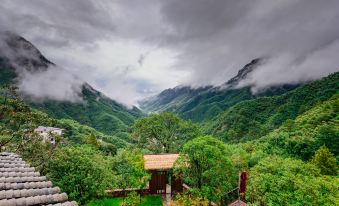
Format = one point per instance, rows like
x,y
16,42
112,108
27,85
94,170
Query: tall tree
x,y
163,133
204,166
325,161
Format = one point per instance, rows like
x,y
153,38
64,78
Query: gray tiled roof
x,y
20,185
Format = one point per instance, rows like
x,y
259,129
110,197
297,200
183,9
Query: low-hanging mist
x,y
37,78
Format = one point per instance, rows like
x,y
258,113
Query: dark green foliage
x,y
163,133
81,172
79,133
328,134
301,137
7,76
171,99
128,169
252,119
145,201
204,103
17,122
208,105
325,161
205,166
277,181
96,111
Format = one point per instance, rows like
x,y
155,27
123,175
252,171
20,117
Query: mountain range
x,y
18,56
229,112
204,103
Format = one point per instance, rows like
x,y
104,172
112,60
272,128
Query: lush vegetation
x,y
289,147
145,201
82,172
277,181
252,119
80,133
81,164
17,122
128,169
205,166
96,110
300,138
163,133
204,103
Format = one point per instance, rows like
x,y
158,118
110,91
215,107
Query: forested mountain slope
x,y
301,137
204,103
96,110
17,119
252,119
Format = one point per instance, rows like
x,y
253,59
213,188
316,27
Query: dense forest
x,y
254,118
287,143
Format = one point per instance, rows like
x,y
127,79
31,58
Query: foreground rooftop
x,y
21,185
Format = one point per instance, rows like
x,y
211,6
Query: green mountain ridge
x,y
251,119
299,138
96,110
204,103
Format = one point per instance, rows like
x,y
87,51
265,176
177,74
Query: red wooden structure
x,y
160,167
157,184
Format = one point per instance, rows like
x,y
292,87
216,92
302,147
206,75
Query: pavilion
x,y
160,166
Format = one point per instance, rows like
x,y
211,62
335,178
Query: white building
x,y
45,133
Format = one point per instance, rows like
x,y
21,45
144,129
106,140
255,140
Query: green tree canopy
x,y
128,169
278,181
163,133
92,140
204,166
325,161
81,172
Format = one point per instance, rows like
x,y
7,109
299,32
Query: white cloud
x,y
51,84
194,42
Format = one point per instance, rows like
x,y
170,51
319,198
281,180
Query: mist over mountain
x,y
36,77
56,91
204,103
195,43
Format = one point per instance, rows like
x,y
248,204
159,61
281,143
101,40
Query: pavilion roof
x,y
238,203
159,161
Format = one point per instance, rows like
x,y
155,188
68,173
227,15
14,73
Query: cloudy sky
x,y
133,49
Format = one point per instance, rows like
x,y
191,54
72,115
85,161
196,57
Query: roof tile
x,y
20,185
161,161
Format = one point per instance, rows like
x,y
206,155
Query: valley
x,y
284,137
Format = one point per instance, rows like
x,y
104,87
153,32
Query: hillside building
x,y
46,133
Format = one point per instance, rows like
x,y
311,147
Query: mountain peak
x,y
22,53
243,73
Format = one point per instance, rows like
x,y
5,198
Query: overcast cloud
x,y
133,49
